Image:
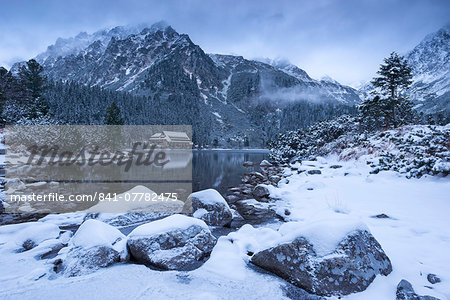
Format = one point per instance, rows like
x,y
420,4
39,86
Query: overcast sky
x,y
344,39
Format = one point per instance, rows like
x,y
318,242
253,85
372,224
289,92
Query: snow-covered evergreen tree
x,y
390,108
31,78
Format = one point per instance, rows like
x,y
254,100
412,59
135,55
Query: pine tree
x,y
31,78
34,83
113,116
395,76
394,109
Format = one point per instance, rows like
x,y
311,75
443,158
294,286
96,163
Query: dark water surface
x,y
221,169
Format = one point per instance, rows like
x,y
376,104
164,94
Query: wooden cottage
x,y
171,139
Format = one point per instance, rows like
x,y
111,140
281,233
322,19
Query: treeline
x,y
303,114
74,103
21,95
294,116
28,98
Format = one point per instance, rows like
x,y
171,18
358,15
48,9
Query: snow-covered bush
x,y
306,143
413,150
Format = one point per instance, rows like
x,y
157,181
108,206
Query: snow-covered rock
x,y
82,261
237,220
255,212
94,233
25,236
123,206
433,278
95,245
14,185
314,172
209,206
405,291
265,163
177,242
261,192
65,219
126,219
49,249
326,259
274,179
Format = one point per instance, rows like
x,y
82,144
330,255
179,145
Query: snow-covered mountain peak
x,y
126,58
431,58
327,78
430,61
286,66
443,32
75,45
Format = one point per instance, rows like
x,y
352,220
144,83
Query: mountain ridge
x,y
247,101
64,51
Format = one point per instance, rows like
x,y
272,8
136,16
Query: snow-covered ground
x,y
416,238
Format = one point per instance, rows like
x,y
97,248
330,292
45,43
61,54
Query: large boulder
x,y
177,242
95,245
209,206
405,291
350,267
81,261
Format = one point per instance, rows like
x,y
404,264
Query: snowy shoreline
x,y
413,236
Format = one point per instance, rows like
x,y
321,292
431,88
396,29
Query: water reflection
x,y
220,169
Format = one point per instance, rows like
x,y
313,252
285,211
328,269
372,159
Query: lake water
x,y
217,169
221,169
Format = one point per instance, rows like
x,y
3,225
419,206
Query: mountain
x,y
159,63
132,59
430,62
326,88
